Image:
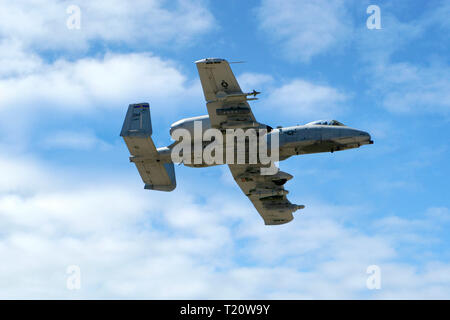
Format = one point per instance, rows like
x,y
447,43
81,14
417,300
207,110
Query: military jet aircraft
x,y
228,108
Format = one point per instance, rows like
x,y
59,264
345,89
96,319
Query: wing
x,y
266,192
226,103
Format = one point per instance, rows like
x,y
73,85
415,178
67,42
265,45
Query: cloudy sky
x,y
70,197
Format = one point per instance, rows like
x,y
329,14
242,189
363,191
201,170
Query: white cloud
x,y
305,28
41,24
441,214
20,175
406,87
249,81
131,242
134,243
306,100
14,60
414,89
377,46
74,140
51,90
95,83
438,16
32,80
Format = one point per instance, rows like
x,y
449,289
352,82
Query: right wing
x,y
226,103
266,192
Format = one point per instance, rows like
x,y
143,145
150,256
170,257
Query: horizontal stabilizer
x,y
167,173
137,131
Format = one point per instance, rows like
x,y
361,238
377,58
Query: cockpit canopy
x,y
326,123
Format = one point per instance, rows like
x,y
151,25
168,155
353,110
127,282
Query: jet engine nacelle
x,y
189,125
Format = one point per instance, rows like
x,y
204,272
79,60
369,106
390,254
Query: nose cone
x,y
364,137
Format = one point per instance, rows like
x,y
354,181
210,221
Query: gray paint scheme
x,y
227,108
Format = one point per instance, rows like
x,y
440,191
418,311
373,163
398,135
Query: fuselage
x,y
314,137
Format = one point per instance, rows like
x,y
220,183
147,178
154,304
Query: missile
x,y
253,93
284,206
268,192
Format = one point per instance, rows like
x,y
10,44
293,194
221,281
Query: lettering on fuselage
x,y
231,146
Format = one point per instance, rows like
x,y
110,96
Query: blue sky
x,y
69,196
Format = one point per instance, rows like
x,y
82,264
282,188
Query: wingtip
x,y
210,60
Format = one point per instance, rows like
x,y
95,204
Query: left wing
x,y
226,103
266,192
